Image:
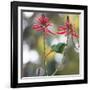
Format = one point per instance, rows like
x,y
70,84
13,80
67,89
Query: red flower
x,y
67,29
42,19
42,25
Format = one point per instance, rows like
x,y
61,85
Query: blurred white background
x,y
5,45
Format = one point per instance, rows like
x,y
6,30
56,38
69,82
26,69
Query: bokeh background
x,y
33,46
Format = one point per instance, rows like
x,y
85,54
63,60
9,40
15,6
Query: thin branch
x,y
46,72
49,53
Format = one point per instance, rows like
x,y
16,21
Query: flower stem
x,y
49,53
44,54
67,36
54,72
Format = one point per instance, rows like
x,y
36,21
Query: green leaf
x,y
59,47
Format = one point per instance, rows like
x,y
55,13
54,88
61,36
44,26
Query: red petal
x,y
49,31
75,35
46,19
67,24
40,29
37,27
61,32
42,19
62,27
39,19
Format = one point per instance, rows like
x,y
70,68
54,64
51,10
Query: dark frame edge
x,y
48,5
86,44
52,83
14,43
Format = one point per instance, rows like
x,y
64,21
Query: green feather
x,y
59,47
